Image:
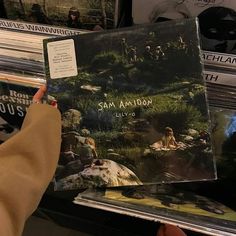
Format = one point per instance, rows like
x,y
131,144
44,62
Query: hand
x,y
39,95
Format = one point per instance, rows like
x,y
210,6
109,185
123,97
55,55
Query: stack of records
x,y
21,46
220,79
21,69
221,88
21,52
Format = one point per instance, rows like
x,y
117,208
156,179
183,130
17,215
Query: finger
x,y
40,93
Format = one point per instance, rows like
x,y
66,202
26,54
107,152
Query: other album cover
x,y
133,106
79,14
16,95
217,19
164,203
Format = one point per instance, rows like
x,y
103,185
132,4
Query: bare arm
x,y
27,163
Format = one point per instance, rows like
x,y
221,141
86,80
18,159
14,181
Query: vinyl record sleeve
x,y
216,17
133,106
78,14
16,95
167,204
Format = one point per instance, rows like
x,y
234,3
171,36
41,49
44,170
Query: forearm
x,y
27,163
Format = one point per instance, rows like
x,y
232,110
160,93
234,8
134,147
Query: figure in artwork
x,y
37,15
74,18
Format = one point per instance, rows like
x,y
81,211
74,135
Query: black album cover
x,y
133,106
15,98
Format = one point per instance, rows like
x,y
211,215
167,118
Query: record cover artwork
x,y
14,100
79,14
217,19
133,106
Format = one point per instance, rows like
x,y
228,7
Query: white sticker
x,y
62,59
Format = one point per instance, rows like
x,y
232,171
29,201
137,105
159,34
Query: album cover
x,y
16,95
216,18
164,203
133,106
79,14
